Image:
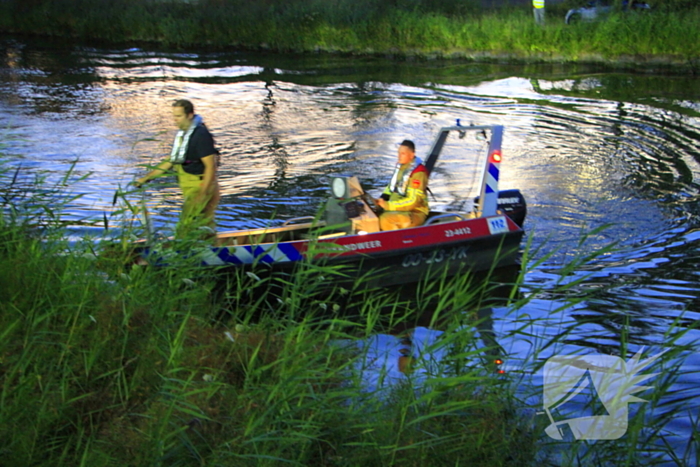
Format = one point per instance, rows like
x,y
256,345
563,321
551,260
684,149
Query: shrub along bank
x,y
670,33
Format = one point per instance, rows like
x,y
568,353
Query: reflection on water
x,y
421,353
587,148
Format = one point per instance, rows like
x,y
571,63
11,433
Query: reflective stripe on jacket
x,y
538,3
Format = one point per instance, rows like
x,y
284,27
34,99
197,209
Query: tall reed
x,y
140,367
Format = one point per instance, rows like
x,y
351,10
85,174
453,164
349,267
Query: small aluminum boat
x,y
347,232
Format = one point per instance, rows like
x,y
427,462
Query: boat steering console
x,y
350,209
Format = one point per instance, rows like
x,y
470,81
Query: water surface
x,y
588,148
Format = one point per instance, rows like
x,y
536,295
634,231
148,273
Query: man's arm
x,y
160,169
383,199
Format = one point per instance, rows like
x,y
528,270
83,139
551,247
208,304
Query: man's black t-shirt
x,y
201,145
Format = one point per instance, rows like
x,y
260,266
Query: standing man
x,y
195,159
404,200
538,9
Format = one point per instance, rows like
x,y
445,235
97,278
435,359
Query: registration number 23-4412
x,y
416,259
449,233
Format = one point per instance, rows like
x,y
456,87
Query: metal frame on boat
x,y
348,232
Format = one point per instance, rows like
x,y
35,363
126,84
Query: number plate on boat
x,y
498,225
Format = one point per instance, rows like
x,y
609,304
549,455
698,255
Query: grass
x,y
136,372
136,369
407,28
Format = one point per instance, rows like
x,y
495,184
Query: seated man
x,y
404,200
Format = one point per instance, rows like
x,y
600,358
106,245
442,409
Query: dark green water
x,y
585,146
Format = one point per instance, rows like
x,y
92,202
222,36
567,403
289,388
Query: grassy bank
x,y
136,373
136,369
669,34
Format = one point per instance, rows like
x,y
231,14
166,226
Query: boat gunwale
x,y
513,228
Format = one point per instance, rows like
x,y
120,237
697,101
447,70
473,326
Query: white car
x,y
597,8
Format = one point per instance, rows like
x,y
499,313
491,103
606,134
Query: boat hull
x,y
413,265
385,259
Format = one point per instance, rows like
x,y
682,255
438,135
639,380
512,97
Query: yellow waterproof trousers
x,y
196,214
394,220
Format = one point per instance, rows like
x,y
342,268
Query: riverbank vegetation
x,y
668,34
106,365
142,366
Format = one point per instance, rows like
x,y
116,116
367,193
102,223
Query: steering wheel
x,y
378,210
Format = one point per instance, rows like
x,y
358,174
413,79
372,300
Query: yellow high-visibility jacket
x,y
408,193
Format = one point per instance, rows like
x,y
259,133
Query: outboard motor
x,y
512,204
